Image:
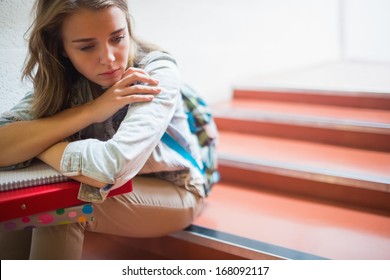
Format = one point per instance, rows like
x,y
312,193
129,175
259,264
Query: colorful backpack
x,y
202,125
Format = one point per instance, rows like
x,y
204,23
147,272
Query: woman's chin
x,y
106,85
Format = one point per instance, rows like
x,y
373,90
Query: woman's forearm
x,y
20,141
24,140
53,155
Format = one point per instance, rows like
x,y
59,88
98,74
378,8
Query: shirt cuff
x,y
71,162
91,194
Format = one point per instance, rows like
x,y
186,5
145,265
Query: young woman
x,y
101,102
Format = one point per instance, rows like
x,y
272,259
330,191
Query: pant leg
x,y
62,242
154,208
15,245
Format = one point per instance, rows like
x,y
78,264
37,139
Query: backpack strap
x,y
174,145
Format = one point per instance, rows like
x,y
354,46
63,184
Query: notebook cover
x,y
28,201
36,174
76,214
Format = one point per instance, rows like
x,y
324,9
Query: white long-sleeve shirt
x,y
129,143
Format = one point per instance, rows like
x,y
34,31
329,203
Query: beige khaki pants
x,y
154,208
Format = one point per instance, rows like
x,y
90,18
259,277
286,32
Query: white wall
x,y
219,43
366,30
14,21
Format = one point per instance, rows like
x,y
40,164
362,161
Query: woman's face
x,y
97,43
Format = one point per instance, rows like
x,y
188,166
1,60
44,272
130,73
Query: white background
x,y
221,43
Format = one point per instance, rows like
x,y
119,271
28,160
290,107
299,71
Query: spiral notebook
x,y
38,173
38,195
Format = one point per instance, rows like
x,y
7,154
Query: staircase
x,y
320,141
305,175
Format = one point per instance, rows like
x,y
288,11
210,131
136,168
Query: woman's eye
x,y
87,48
118,39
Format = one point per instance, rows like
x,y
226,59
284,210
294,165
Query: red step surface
x,y
373,100
353,127
303,225
344,175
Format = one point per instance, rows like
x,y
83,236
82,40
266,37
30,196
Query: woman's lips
x,y
110,74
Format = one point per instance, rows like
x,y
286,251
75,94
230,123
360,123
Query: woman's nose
x,y
107,55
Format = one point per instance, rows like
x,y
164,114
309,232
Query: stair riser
x,y
324,191
183,249
345,99
331,135
109,247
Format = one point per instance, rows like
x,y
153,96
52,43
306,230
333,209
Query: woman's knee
x,y
154,208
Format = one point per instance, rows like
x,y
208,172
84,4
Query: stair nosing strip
x,y
328,91
305,121
247,246
377,183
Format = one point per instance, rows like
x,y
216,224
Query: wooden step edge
x,y
356,180
247,115
240,246
368,138
368,194
369,100
101,246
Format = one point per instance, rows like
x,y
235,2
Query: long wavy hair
x,y
52,74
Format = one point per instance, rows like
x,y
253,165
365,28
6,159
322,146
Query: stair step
x,y
238,245
99,246
359,178
373,100
242,222
291,227
354,127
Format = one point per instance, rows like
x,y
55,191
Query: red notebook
x,y
39,188
32,200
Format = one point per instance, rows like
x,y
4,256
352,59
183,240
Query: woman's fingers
x,y
136,77
135,86
132,70
140,89
137,82
138,94
138,98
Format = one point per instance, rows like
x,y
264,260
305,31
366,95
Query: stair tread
x,y
256,108
348,96
320,229
307,156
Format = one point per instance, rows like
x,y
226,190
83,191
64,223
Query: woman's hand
x,y
135,86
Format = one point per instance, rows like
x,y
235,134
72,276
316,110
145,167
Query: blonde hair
x,y
52,74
